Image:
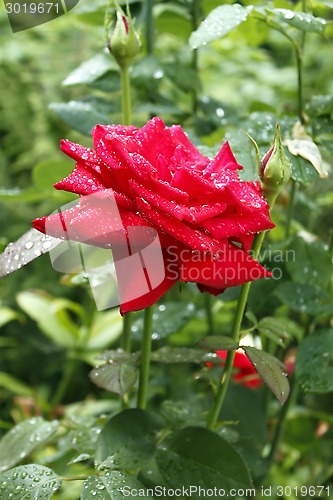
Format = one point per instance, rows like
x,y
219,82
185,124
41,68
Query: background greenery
x,y
57,81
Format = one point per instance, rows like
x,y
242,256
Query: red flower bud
x,y
124,43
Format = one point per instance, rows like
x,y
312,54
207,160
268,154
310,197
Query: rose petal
x,y
199,213
224,160
210,289
81,181
198,161
155,139
238,225
170,207
230,268
150,298
195,239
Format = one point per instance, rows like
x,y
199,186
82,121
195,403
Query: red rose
x,y
205,216
245,373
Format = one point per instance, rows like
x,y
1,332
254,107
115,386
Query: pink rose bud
x,y
275,169
124,43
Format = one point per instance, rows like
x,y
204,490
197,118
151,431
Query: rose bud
x,y
124,43
275,169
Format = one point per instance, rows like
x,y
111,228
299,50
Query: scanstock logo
x,y
131,269
24,15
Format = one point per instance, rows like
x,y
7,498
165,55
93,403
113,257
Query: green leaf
x,y
196,457
245,154
22,439
29,482
115,485
84,437
219,23
314,362
115,377
305,298
55,325
301,169
177,355
271,370
14,385
46,173
127,440
278,330
92,13
324,3
308,150
309,262
91,70
320,105
172,18
105,330
283,18
218,342
302,20
81,116
167,319
7,315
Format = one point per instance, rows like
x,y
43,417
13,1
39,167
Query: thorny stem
x,y
227,370
145,357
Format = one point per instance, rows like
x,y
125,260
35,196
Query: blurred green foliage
x,y
57,81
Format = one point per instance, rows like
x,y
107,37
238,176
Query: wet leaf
x,y
314,362
116,377
301,169
219,23
279,330
200,458
114,485
127,440
177,355
218,342
30,246
23,439
271,370
308,150
167,319
282,18
305,298
29,482
91,70
309,262
82,116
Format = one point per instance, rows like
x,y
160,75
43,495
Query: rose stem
x,y
209,313
127,114
281,423
291,207
227,370
126,111
126,94
145,357
150,27
126,336
195,14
